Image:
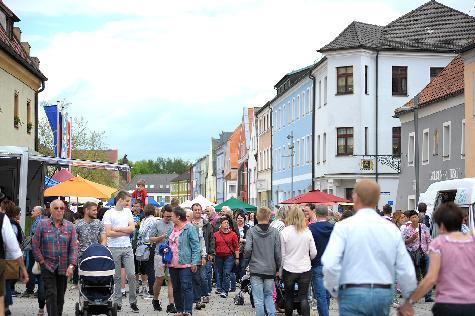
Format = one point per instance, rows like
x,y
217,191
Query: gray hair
x,y
321,210
281,212
42,210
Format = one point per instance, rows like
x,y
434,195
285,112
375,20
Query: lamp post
x,y
291,148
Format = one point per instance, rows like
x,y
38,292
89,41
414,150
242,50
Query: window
x,y
325,91
400,80
344,80
411,202
349,194
411,144
344,141
309,149
434,72
309,101
298,108
29,121
324,148
318,149
289,113
462,143
435,147
425,147
319,94
16,111
297,153
366,79
302,151
293,109
446,135
365,140
167,186
396,141
232,188
304,104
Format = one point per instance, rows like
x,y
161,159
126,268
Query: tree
x,y
160,165
86,144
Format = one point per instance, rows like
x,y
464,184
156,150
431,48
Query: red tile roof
x,y
13,47
449,82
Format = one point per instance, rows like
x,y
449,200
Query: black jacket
x,y
208,236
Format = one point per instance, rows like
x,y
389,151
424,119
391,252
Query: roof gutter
x,y
313,127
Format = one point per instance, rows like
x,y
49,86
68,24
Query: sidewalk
x,y
217,307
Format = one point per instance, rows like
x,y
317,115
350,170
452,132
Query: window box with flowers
x,y
17,121
29,128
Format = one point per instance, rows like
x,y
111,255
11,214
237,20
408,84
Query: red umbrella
x,y
62,175
317,197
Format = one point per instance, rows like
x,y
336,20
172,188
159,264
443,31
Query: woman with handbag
x,y
417,238
227,255
243,228
452,258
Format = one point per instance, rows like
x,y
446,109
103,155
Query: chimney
x,y
36,62
17,33
26,46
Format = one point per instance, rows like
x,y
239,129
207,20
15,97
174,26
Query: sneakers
x,y
156,305
429,300
171,309
119,307
147,297
124,292
224,295
205,299
217,292
134,308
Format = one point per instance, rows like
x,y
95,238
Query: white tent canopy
x,y
204,202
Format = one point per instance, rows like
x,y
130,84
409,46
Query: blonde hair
x,y
295,216
263,214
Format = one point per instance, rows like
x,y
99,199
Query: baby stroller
x,y
280,300
245,288
96,282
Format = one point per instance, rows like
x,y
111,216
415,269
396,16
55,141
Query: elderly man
x,y
37,215
360,271
55,248
213,217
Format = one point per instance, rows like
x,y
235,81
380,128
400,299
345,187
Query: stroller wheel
x,y
76,310
113,311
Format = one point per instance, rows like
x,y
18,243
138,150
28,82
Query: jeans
x,y
224,267
55,287
182,289
303,282
428,294
41,292
124,256
319,292
262,290
200,286
207,272
365,301
30,286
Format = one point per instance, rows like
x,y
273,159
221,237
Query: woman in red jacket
x,y
227,255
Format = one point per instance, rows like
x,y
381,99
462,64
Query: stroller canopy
x,y
97,261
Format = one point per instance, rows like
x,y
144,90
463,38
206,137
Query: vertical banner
x,y
64,134
70,150
51,112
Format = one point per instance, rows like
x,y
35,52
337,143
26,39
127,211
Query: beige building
x,y
20,82
264,156
469,78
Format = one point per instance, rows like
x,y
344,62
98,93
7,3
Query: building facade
x,y
157,185
264,156
211,175
440,139
469,85
220,153
292,116
252,161
180,187
231,164
244,158
366,73
21,81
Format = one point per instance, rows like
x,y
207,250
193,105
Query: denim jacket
x,y
189,246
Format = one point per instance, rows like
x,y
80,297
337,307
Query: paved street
x,y
217,306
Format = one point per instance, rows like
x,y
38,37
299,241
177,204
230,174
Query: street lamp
x,y
291,148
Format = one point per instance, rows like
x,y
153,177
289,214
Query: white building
x,y
366,73
252,162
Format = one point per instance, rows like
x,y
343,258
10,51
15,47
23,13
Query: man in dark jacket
x,y
263,252
321,231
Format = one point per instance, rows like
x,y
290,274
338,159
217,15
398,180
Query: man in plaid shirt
x,y
55,249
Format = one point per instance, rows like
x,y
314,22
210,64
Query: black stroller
x,y
245,288
280,300
96,282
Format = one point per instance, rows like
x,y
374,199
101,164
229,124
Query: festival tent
x,y
80,187
186,204
235,204
201,200
50,182
316,197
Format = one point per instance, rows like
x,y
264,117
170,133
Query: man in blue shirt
x,y
321,230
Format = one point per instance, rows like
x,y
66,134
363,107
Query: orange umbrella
x,y
80,187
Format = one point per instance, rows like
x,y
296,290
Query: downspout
x,y
37,143
269,198
313,128
376,169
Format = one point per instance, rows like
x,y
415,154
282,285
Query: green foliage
x,y
160,165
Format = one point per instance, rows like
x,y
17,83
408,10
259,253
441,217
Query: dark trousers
x,y
30,286
303,281
443,309
55,287
182,289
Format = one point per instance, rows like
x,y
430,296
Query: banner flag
x,y
51,112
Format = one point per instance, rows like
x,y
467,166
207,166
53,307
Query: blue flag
x,y
52,115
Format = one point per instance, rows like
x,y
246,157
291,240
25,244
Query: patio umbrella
x,y
62,175
235,204
80,187
204,202
316,197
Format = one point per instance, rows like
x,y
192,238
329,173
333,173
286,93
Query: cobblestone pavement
x,y
217,306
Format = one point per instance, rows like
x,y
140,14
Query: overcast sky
x,y
163,77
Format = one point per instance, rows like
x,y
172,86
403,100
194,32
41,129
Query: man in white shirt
x,y
363,257
119,224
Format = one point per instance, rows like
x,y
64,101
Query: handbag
x,y
235,269
142,253
12,269
418,255
36,269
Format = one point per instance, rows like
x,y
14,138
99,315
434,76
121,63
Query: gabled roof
x,y
449,82
431,27
293,76
155,179
12,46
356,35
182,177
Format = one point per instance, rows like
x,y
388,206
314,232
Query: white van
x,y
460,191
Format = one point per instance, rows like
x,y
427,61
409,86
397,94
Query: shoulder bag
x,y
418,255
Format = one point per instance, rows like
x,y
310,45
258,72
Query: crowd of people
x,y
293,257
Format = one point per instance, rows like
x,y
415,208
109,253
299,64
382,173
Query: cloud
x,y
164,77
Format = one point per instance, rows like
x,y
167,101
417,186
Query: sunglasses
x,y
59,208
